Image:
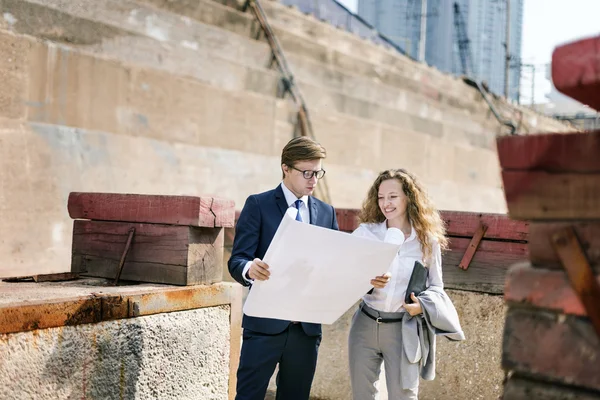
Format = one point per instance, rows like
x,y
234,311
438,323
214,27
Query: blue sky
x,y
547,24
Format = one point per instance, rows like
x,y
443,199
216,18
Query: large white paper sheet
x,y
317,274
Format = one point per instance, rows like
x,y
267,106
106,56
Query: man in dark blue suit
x,y
266,341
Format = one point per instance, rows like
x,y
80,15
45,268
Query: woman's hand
x,y
413,308
380,281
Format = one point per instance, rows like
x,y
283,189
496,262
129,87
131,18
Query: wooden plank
x,y
347,219
541,253
205,256
472,248
580,273
545,345
576,70
56,277
458,223
559,152
132,271
499,226
541,288
179,255
542,195
174,210
518,388
488,268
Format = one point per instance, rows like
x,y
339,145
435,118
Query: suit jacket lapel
x,y
280,200
312,208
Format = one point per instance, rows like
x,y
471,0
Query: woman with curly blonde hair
x,y
385,329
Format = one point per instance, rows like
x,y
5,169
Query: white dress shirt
x,y
391,297
290,199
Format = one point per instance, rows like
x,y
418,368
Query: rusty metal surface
x,y
92,304
580,273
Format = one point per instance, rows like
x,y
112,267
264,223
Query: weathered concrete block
x,y
65,339
182,355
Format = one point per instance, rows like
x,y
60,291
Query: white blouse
x,y
391,297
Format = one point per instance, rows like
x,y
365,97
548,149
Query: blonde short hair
x,y
301,149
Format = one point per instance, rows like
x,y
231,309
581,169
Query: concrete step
x,y
437,89
125,34
61,85
201,63
64,85
322,42
350,54
306,26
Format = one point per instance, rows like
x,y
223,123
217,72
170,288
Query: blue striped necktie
x,y
297,203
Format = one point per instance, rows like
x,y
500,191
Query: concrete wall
x,y
180,355
465,370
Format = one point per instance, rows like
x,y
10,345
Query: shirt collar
x,y
291,198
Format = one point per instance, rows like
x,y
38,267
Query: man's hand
x,y
413,308
380,281
259,270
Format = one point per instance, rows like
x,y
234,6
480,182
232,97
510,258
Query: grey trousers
x,y
371,344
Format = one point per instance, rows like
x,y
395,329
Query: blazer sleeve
x,y
435,268
245,242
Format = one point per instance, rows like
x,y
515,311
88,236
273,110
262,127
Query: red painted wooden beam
x,y
539,195
541,288
580,272
173,210
541,252
561,152
576,71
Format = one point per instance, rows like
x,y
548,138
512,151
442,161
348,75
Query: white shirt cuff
x,y
394,235
246,268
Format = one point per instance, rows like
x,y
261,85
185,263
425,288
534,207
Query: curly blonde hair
x,y
421,213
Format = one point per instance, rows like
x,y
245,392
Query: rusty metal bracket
x,y
124,255
580,273
473,245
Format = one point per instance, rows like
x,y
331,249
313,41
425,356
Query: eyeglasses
x,y
309,174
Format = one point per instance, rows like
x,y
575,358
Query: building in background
x,y
485,25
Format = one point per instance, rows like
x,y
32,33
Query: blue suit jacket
x,y
254,231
